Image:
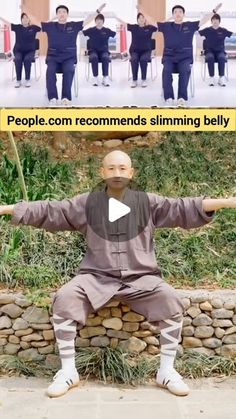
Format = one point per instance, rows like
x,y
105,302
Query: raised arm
x,y
148,18
5,21
208,16
33,19
93,15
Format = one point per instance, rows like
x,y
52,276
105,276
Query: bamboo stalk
x,y
18,165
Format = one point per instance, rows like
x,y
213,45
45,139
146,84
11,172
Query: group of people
x,y
62,49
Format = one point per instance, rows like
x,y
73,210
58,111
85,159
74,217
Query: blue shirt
x,y
98,38
25,37
141,37
178,39
215,38
62,39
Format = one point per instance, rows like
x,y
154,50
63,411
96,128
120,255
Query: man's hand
x,y
231,202
6,209
210,205
101,7
217,7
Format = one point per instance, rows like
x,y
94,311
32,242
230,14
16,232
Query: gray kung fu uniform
x,y
121,269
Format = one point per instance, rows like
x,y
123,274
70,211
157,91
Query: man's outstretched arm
x,y
68,214
186,212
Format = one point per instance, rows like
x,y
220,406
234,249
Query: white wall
x,y
11,10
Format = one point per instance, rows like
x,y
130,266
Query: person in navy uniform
x,y
141,47
178,51
214,48
62,52
25,46
98,48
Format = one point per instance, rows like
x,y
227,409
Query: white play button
x,y
117,210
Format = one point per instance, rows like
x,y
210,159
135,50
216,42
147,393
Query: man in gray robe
x,y
119,263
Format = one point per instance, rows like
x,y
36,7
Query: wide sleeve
x,y
14,27
111,33
46,25
203,32
87,32
153,29
228,34
195,25
37,28
178,212
161,26
65,215
130,27
78,25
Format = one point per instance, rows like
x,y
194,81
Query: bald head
x,y
117,157
117,164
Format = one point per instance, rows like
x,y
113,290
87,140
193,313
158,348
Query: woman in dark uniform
x,y
214,48
140,48
25,46
98,48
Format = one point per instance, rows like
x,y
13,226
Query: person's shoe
x,y
62,382
211,81
181,103
18,84
144,83
221,81
169,102
172,381
27,83
53,102
95,81
66,102
105,81
134,84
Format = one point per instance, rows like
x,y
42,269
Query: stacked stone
x,y
209,327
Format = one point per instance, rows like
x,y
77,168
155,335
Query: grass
x,y
183,164
114,366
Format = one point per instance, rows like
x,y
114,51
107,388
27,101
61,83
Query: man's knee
x,y
168,68
184,67
51,68
171,296
209,57
63,298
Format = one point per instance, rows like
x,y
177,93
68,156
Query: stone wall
x,y
209,327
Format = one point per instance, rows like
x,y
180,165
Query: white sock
x,y
167,362
68,364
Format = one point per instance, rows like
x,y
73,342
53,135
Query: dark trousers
x,y
23,59
67,68
183,68
96,57
216,57
140,58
